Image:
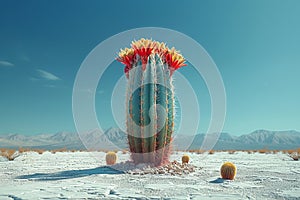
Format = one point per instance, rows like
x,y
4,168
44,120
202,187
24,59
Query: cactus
x,y
228,171
150,100
111,158
295,156
185,159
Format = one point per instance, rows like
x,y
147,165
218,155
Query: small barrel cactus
x,y
150,101
228,171
185,159
111,158
295,156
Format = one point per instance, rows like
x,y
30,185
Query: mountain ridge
x,y
115,138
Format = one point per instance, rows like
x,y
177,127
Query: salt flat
x,y
83,175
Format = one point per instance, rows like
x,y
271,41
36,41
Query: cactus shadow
x,y
218,180
70,174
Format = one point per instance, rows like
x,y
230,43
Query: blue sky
x,y
255,45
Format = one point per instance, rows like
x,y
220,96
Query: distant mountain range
x,y
115,138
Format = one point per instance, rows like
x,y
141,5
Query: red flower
x,y
174,60
127,57
144,48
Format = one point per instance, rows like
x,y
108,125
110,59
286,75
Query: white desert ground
x,y
83,175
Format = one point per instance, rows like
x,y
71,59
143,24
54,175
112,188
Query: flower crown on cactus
x,y
144,48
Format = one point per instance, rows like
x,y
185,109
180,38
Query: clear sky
x,y
255,44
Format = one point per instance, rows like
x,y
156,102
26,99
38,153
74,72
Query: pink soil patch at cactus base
x,y
172,168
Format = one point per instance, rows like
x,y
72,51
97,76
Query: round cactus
x,y
185,159
228,171
111,158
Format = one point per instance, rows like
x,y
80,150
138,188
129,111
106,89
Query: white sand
x,y
82,175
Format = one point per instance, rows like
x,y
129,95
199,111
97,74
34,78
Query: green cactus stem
x,y
150,99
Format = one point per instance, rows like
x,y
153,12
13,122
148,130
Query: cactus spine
x,y
150,100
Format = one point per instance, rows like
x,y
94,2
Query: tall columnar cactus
x,y
150,100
